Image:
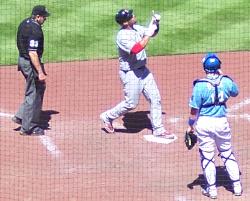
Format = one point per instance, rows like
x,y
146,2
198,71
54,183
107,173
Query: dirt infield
x,y
77,161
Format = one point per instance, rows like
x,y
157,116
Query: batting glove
x,y
156,17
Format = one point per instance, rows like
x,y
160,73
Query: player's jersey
x,y
211,94
125,41
30,38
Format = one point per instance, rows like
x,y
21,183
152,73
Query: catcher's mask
x,y
123,15
211,63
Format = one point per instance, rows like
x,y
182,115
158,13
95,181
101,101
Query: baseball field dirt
x,y
75,160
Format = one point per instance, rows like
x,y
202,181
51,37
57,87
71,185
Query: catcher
x,y
208,114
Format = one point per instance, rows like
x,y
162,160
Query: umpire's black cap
x,y
40,10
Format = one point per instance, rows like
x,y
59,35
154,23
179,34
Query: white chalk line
x,y
180,198
46,141
50,145
2,114
239,105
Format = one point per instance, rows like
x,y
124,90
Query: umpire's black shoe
x,y
16,120
35,131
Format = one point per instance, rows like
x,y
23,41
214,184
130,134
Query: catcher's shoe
x,y
210,192
237,189
108,127
165,135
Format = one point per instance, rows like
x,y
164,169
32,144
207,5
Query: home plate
x,y
152,138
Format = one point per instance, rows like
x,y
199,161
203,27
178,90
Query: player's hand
x,y
190,129
156,17
151,28
190,139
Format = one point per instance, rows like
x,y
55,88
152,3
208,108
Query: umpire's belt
x,y
27,58
24,57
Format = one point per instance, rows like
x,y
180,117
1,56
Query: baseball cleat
x,y
108,127
238,193
237,189
210,192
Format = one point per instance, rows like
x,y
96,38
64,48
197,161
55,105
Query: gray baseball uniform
x,y
30,109
136,79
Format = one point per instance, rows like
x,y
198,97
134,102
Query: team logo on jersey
x,y
34,43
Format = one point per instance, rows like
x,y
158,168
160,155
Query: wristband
x,y
191,122
137,48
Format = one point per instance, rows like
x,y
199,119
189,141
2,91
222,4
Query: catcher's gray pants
x,y
30,109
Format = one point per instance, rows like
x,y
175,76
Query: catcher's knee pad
x,y
208,166
206,158
227,155
231,164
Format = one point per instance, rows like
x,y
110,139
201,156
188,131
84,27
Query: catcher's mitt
x,y
190,139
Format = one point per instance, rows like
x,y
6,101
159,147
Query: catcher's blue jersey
x,y
211,94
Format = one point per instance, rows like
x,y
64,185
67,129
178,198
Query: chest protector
x,y
215,84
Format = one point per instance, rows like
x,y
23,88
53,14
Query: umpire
x,y
30,44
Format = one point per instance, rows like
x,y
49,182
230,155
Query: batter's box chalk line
x,y
161,140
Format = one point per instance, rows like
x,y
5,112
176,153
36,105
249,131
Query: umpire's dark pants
x,y
30,109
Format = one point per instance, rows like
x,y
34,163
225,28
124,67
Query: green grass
x,y
84,29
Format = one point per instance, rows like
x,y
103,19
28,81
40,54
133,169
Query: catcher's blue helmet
x,y
123,15
211,63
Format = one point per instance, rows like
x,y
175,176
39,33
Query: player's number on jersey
x,y
220,96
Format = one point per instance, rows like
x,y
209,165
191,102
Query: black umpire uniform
x,y
30,44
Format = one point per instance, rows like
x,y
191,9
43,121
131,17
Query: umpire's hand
x,y
41,76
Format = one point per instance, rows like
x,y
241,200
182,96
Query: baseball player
x,y
208,114
30,42
135,76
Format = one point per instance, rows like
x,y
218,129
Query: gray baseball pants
x,y
30,109
134,83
